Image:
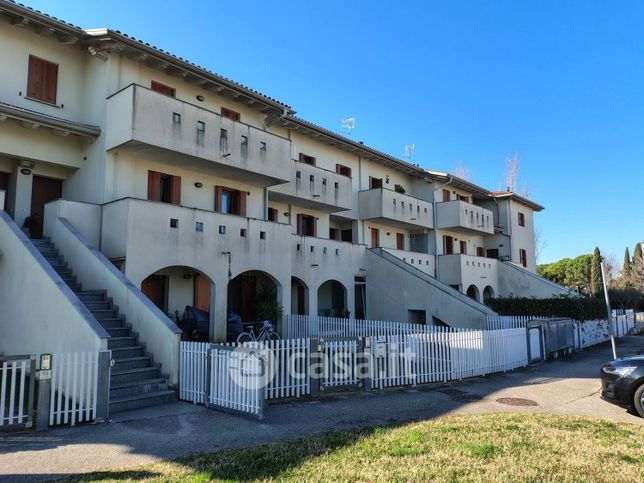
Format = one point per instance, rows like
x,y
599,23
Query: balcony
x,y
396,209
422,261
152,125
314,188
153,235
462,216
465,270
326,258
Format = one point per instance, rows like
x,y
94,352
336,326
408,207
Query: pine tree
x,y
626,270
596,273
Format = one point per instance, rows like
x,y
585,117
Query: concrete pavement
x,y
570,385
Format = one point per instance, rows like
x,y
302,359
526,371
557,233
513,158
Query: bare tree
x,y
511,176
540,243
462,171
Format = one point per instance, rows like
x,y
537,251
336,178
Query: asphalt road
x,y
569,386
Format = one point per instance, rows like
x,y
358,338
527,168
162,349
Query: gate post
x,y
43,404
316,361
103,385
528,343
367,383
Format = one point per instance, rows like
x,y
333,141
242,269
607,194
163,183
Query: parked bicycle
x,y
266,333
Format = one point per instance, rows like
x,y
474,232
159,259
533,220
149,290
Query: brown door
x,y
493,253
446,195
4,186
448,245
400,241
43,191
347,235
375,236
154,288
202,293
463,247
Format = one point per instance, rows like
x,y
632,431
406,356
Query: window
x,y
176,118
400,241
174,223
244,147
272,214
523,257
242,232
305,158
375,183
164,187
446,195
463,198
223,141
222,229
199,226
521,219
262,150
42,80
343,170
163,89
230,114
201,127
306,225
480,252
230,201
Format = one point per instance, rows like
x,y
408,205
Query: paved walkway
x,y
569,386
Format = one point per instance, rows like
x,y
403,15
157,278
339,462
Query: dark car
x,y
623,383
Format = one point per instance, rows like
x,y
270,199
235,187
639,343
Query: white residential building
x,y
205,193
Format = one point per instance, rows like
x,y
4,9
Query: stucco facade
x,y
302,206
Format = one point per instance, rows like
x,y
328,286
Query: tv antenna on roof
x,y
348,123
409,151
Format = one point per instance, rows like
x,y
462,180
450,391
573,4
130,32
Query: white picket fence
x,y
341,363
288,381
496,322
15,374
313,326
74,378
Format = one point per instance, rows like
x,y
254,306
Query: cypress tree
x,y
637,268
626,269
596,273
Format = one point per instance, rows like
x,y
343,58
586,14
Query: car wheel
x,y
638,400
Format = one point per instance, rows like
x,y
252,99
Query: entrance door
x,y
4,186
375,237
154,288
448,245
43,191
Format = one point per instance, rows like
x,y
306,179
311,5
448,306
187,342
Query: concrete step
x,y
125,352
118,331
92,297
135,374
121,342
113,323
98,305
101,314
132,363
144,386
141,400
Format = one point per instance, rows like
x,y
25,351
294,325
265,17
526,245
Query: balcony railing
x,y
395,208
166,129
421,261
314,187
460,269
463,216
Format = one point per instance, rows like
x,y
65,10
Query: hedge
x,y
573,307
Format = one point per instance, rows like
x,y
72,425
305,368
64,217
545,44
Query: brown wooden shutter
x,y
154,186
202,293
299,224
400,241
34,78
50,82
370,182
338,168
175,190
242,203
218,199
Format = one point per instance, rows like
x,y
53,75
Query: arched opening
x,y
254,296
299,297
332,299
473,292
488,293
185,294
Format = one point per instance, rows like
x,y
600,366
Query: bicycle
x,y
265,334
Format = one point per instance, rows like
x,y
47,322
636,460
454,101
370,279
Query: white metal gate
x,y
235,380
17,375
535,339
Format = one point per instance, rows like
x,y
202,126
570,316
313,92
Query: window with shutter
x,y
272,214
343,170
42,80
375,183
230,114
164,187
163,89
400,241
305,158
446,195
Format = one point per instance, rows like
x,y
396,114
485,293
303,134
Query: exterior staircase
x,y
136,381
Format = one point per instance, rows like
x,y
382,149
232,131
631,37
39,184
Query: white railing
x,y
192,371
74,386
302,326
15,387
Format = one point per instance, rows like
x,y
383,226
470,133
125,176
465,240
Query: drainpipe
x,y
435,217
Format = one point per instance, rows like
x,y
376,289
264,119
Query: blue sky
x,y
561,83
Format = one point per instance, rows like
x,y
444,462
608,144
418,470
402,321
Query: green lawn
x,y
500,447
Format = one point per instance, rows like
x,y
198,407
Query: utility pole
x,y
610,321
